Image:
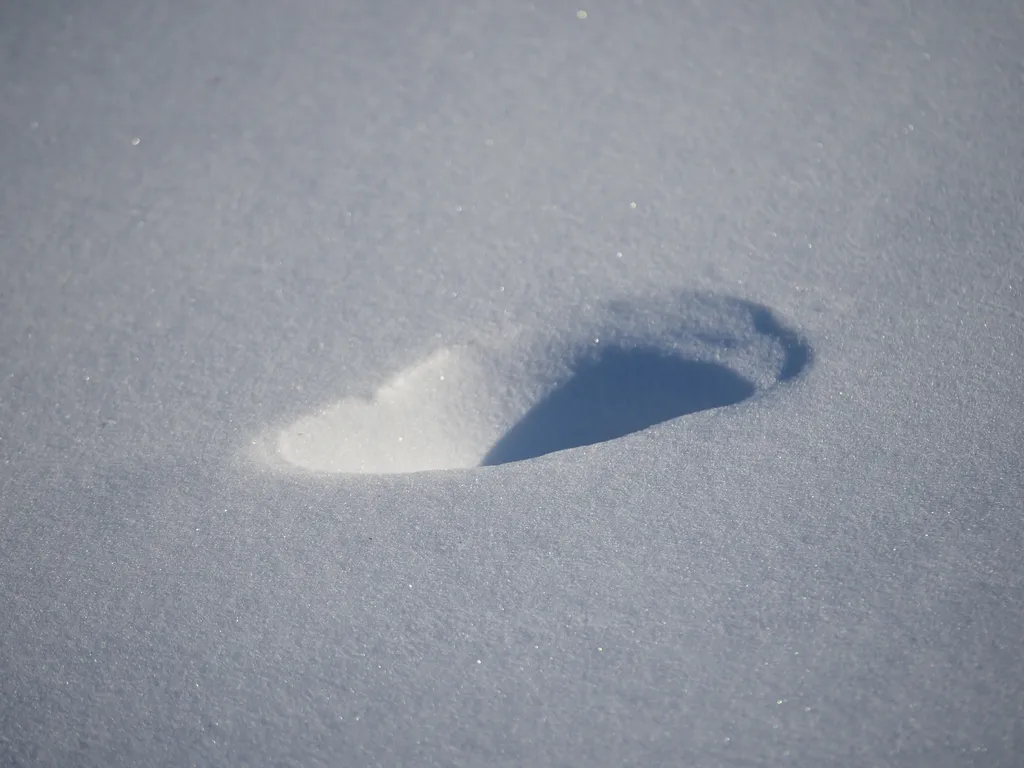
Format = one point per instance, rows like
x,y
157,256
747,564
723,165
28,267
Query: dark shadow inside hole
x,y
616,393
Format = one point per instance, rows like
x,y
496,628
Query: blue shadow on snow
x,y
624,390
619,392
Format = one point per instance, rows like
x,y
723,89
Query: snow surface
x,y
730,299
523,395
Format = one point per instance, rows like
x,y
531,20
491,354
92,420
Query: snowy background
x,y
240,243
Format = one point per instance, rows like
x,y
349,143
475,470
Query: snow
x,y
523,395
725,466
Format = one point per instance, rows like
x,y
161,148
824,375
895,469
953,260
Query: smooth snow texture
x,y
632,367
325,194
410,425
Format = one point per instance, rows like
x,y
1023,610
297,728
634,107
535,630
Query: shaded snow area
x,y
459,383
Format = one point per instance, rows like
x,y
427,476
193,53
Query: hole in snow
x,y
631,366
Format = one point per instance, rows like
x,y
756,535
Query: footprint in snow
x,y
608,373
